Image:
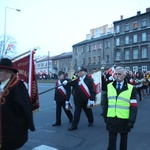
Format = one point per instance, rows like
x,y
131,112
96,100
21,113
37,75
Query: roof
x,y
131,17
63,55
93,39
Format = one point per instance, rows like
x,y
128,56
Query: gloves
x,y
110,78
130,125
90,104
64,82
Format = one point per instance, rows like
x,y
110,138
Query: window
x,y
89,48
135,54
94,60
127,27
143,37
135,38
75,51
144,52
118,56
75,61
135,68
83,60
127,55
135,25
99,46
118,29
107,45
117,42
143,22
107,58
94,47
89,60
127,68
144,68
127,40
42,64
99,58
83,50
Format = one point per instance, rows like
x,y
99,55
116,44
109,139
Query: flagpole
x,y
22,54
55,87
30,75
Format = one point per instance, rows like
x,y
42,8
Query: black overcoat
x,y
78,94
16,116
58,96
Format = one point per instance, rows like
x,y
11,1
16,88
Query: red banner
x,y
26,72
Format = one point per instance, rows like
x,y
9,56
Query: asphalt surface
x,y
84,138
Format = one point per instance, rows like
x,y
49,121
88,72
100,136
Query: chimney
x,y
148,9
121,17
138,12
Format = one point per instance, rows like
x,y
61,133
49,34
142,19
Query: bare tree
x,y
10,46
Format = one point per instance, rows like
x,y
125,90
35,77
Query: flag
x,y
10,46
97,86
26,72
111,71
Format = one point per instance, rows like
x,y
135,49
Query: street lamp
x,y
5,27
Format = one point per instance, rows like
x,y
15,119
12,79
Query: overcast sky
x,y
56,25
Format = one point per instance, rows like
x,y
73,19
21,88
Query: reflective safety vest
x,y
119,106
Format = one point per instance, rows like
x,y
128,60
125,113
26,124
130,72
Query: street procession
x,y
60,90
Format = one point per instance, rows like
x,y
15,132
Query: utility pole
x,y
48,65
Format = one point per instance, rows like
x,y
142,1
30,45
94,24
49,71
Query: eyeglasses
x,y
119,74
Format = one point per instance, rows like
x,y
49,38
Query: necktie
x,y
118,88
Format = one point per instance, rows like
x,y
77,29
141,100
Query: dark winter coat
x,y
58,97
16,113
105,81
116,124
79,96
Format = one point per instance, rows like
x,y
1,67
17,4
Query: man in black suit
x,y
62,95
83,92
15,108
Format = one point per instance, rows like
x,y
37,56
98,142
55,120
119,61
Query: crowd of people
x,y
120,91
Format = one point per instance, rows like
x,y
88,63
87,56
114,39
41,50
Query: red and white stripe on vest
x,y
84,88
61,89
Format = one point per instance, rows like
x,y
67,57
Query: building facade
x,y
132,42
62,62
43,65
94,53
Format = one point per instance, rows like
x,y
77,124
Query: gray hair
x,y
122,69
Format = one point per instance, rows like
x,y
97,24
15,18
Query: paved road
x,y
85,138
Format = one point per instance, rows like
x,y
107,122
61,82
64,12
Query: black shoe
x,y
90,124
56,124
72,128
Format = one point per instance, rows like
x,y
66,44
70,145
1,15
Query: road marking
x,y
44,147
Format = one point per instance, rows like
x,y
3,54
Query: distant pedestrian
x,y
120,109
61,96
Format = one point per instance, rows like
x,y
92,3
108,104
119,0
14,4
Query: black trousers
x,y
59,106
77,113
113,139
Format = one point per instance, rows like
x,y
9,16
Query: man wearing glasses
x,y
120,109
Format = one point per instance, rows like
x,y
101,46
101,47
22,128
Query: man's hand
x,y
90,104
130,125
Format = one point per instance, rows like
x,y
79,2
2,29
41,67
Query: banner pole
x,y
22,54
